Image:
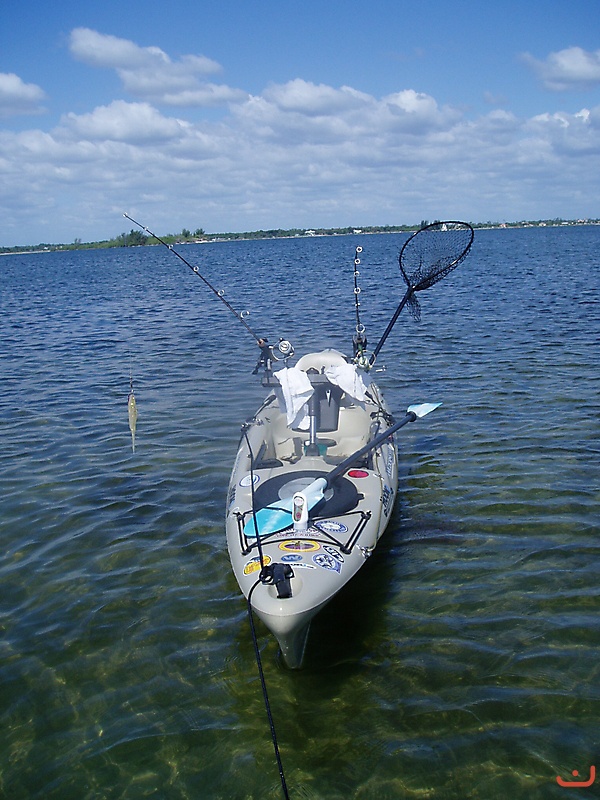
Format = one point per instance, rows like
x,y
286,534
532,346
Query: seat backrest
x,y
327,397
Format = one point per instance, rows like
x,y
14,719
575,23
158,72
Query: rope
x,y
263,684
264,578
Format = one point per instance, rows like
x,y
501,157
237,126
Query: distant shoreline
x,y
292,233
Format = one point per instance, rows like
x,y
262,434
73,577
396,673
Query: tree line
x,y
136,238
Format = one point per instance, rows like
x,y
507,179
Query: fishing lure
x,y
132,414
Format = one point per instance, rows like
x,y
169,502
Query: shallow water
x,y
462,662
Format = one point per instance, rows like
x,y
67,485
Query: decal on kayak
x,y
331,526
389,464
247,480
326,561
231,497
254,565
291,558
333,553
387,499
300,545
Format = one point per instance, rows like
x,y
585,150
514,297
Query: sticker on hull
x,y
254,565
333,553
387,500
328,562
247,480
331,526
300,546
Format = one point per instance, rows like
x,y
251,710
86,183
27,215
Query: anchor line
x,y
263,684
265,577
241,317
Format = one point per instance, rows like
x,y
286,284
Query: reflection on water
x,y
462,661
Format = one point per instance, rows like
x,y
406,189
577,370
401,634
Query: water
x,y
462,662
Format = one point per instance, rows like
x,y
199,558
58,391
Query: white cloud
x,y
126,122
311,99
300,112
102,50
18,97
296,154
149,74
572,68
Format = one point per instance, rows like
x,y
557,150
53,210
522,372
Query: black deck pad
x,y
340,498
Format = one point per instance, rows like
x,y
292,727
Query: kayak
x,y
309,553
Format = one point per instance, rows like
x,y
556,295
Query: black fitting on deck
x,y
280,576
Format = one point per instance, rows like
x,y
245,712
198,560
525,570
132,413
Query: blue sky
x,y
237,115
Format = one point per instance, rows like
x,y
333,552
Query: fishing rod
x,y
359,340
426,257
260,340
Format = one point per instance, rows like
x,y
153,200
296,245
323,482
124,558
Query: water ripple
x,y
466,652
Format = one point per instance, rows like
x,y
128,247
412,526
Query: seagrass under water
x,y
463,660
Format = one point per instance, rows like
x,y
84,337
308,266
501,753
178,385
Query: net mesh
x,y
431,253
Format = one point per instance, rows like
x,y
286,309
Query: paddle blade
x,y
423,409
270,519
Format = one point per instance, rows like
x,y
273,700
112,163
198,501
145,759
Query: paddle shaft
x,y
348,462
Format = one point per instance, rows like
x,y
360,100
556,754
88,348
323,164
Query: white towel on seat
x,y
296,389
347,378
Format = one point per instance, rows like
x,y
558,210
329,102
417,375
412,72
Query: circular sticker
x,y
358,473
327,562
331,526
247,480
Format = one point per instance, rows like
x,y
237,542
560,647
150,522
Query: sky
x,y
232,115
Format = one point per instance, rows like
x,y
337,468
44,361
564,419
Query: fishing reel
x,y
282,351
359,344
285,350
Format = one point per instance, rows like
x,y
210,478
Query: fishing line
x,y
132,413
218,293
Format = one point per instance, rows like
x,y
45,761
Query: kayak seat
x,y
286,445
352,433
326,403
328,399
